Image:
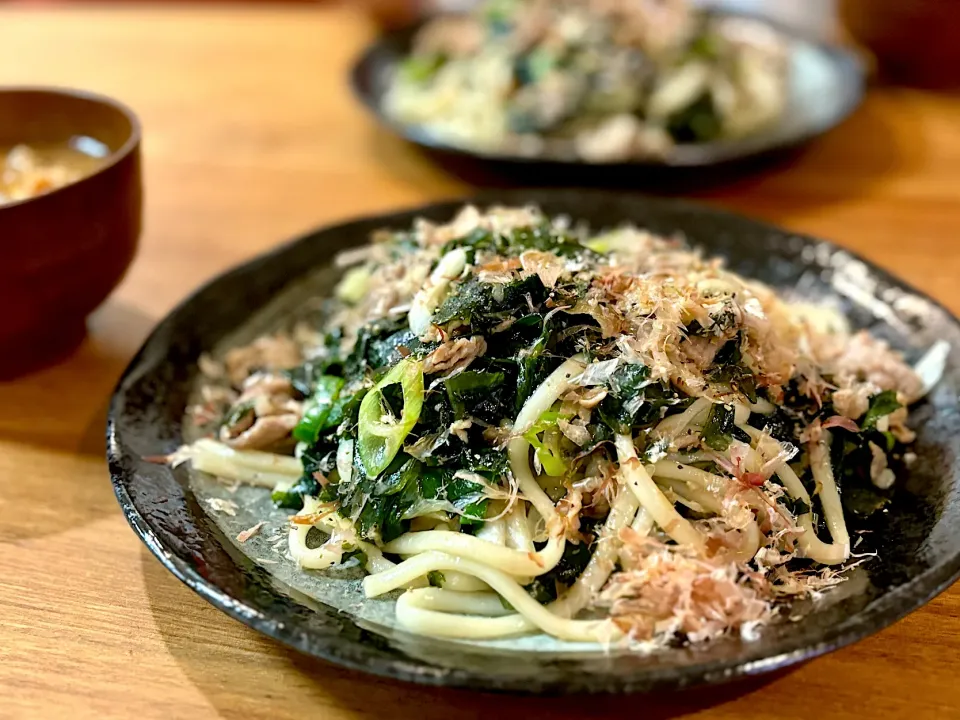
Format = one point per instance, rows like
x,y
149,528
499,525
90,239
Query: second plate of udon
x,y
550,441
644,85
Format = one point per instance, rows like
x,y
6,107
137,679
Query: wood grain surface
x,y
251,137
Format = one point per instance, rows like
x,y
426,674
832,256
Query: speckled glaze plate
x,y
917,546
826,85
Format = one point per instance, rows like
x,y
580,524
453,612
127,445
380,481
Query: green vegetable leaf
x,y
891,441
537,237
469,386
380,433
697,122
374,348
532,367
421,68
403,472
317,409
484,305
292,498
439,484
718,430
728,369
547,449
634,400
382,507
317,458
237,413
304,377
535,65
345,409
572,564
880,406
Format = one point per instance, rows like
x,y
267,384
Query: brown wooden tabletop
x,y
251,136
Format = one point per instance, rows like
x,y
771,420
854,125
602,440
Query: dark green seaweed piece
x,y
383,506
319,458
697,122
728,369
881,405
537,237
484,305
318,409
573,562
635,401
718,430
237,413
292,498
372,347
470,389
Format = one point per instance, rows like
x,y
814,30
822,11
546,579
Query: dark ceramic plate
x,y
827,85
917,545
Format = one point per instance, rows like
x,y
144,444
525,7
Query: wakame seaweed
x,y
480,390
718,429
572,563
728,368
635,401
484,306
538,237
435,409
881,405
382,506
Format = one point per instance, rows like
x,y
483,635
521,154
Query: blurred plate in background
x,y
826,86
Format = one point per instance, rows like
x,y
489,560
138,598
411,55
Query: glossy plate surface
x,y
918,548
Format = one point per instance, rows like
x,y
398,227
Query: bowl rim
x,y
125,150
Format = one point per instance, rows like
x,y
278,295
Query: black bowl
x,y
827,85
918,549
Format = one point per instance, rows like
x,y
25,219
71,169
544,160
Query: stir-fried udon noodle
x,y
525,427
599,80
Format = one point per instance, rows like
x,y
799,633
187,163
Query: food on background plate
x,y
600,81
525,426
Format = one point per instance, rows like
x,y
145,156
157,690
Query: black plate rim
x,y
691,156
880,614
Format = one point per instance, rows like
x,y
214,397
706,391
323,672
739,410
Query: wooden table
x,y
251,137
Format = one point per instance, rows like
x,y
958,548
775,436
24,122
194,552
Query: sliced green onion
x,y
548,453
354,285
420,68
380,435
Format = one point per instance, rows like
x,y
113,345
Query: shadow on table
x,y
64,406
244,674
848,161
61,413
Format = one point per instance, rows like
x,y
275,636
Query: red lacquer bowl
x,y
64,251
